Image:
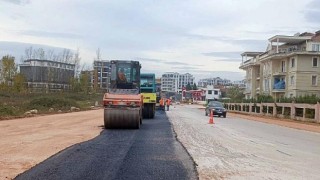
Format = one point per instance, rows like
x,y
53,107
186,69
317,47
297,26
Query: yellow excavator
x,y
123,102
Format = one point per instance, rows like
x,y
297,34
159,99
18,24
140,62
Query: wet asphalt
x,y
152,152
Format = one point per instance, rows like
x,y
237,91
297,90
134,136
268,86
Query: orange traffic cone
x,y
211,118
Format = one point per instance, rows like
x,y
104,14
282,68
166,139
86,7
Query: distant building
x,y
212,93
241,84
47,75
217,81
103,71
173,81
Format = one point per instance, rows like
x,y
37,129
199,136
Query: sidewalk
x,y
313,127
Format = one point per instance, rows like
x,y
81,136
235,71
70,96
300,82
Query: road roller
x,y
123,101
148,90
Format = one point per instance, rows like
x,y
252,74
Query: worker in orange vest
x,y
161,102
168,104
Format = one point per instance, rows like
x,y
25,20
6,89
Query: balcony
x,y
279,73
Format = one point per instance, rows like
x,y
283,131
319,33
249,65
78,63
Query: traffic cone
x,y
211,121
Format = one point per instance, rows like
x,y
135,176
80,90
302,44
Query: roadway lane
x,y
236,148
149,153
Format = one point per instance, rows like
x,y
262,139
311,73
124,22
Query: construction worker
x,y
122,76
161,102
168,101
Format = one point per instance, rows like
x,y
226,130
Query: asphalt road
x,y
152,152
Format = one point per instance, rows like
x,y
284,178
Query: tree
x,y
235,94
76,61
19,83
194,87
9,69
84,82
188,87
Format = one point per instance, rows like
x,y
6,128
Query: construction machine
x,y
148,90
123,102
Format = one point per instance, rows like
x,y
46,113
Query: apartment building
x,y
47,74
102,70
173,81
288,68
216,81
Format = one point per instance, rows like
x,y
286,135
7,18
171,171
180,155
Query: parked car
x,y
217,109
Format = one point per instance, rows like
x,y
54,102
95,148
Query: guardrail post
x,y
274,112
292,111
261,108
316,112
304,114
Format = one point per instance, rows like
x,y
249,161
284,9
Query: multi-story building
x,y
173,81
47,75
184,80
170,82
289,68
102,70
217,81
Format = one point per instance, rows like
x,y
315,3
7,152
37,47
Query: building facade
x,y
47,75
173,81
216,81
102,72
288,68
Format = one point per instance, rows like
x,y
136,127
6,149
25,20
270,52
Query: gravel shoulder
x,y
28,141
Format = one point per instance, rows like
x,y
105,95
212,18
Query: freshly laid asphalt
x,y
152,152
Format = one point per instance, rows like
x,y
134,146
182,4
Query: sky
x,y
201,37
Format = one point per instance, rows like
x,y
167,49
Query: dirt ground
x,y
27,142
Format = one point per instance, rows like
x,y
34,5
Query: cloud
x,y
227,54
50,34
21,2
312,13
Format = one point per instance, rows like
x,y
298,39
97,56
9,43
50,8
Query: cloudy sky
x,y
202,37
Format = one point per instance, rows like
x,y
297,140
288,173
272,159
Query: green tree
x,y
194,87
188,88
75,84
19,83
9,69
84,82
235,94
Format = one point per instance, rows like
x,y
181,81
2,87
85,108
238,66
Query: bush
x,y
6,111
42,103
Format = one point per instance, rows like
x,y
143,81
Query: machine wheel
x,y
122,118
148,111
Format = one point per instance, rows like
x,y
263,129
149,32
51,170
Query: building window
x,y
292,80
215,92
315,47
283,66
292,62
209,91
314,80
315,62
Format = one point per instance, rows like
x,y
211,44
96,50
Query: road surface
x,y
149,153
235,148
